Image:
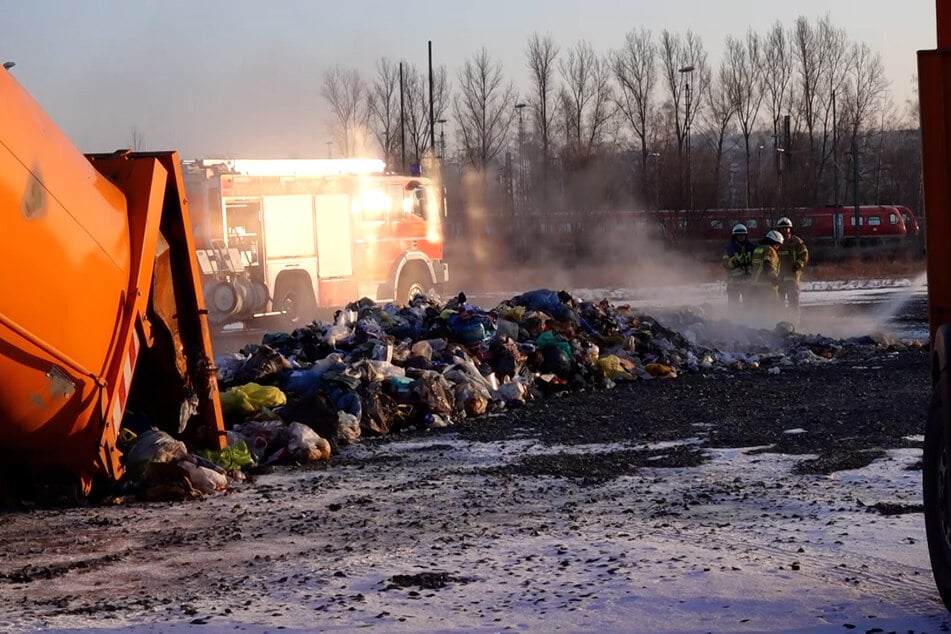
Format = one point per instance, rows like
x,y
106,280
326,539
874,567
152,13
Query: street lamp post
x,y
685,71
521,158
442,138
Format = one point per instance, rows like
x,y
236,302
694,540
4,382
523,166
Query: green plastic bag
x,y
232,457
548,338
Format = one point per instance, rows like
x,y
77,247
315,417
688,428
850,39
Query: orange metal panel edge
x,y
176,227
934,92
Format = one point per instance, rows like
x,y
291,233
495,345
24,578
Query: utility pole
x,y
432,115
402,126
520,181
686,70
855,190
442,138
835,157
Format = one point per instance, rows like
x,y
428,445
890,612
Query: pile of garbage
x,y
381,369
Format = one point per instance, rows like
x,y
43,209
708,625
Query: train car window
x,y
752,224
892,219
807,221
874,221
716,224
852,221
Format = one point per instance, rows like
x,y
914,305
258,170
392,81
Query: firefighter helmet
x,y
740,229
775,236
784,222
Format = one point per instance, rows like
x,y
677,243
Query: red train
x,y
828,232
889,226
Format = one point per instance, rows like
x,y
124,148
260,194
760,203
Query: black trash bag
x,y
432,393
556,361
316,411
506,359
380,411
265,366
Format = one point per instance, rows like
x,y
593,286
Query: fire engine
x,y
298,238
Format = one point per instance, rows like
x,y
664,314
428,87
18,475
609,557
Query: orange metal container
x,y
79,254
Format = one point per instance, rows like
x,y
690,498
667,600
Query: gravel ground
x,y
505,520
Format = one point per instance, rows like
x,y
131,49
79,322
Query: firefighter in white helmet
x,y
737,260
793,257
764,273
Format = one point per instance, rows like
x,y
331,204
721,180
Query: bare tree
x,y
483,109
807,57
819,56
346,93
635,71
686,76
383,104
866,87
415,111
742,78
541,55
719,116
776,73
441,94
677,54
136,140
586,99
416,106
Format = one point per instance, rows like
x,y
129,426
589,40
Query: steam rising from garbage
x,y
595,255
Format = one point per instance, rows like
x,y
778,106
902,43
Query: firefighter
x,y
793,257
737,260
764,273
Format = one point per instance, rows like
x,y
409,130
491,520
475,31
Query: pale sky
x,y
241,78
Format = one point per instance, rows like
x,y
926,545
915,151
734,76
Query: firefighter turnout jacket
x,y
738,259
765,265
793,257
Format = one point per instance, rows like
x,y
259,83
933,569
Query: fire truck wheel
x,y
414,281
297,302
936,490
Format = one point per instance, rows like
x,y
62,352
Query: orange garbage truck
x,y
101,310
934,91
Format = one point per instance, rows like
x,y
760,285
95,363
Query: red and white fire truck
x,y
297,238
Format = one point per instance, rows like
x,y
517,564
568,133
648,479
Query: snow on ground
x,y
735,545
738,544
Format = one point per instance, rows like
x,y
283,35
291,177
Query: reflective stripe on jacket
x,y
738,258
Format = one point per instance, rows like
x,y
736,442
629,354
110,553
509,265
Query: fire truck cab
x,y
293,238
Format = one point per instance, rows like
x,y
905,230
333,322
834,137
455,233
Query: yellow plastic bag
x,y
613,368
251,398
512,313
261,396
235,402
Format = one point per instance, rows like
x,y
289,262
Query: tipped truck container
x,y
101,311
